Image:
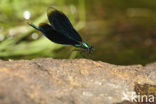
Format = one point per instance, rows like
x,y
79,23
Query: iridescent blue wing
x,y
54,35
61,23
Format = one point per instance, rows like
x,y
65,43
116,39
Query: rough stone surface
x,y
80,81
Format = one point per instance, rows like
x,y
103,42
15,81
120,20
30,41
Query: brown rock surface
x,y
80,81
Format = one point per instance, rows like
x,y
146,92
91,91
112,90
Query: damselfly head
x,y
90,49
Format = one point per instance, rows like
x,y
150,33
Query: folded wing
x,y
56,36
61,23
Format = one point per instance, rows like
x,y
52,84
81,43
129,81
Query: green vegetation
x,y
18,42
122,31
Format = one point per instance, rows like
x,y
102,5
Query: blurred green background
x,y
122,31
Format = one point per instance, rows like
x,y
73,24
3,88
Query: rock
x,y
79,81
